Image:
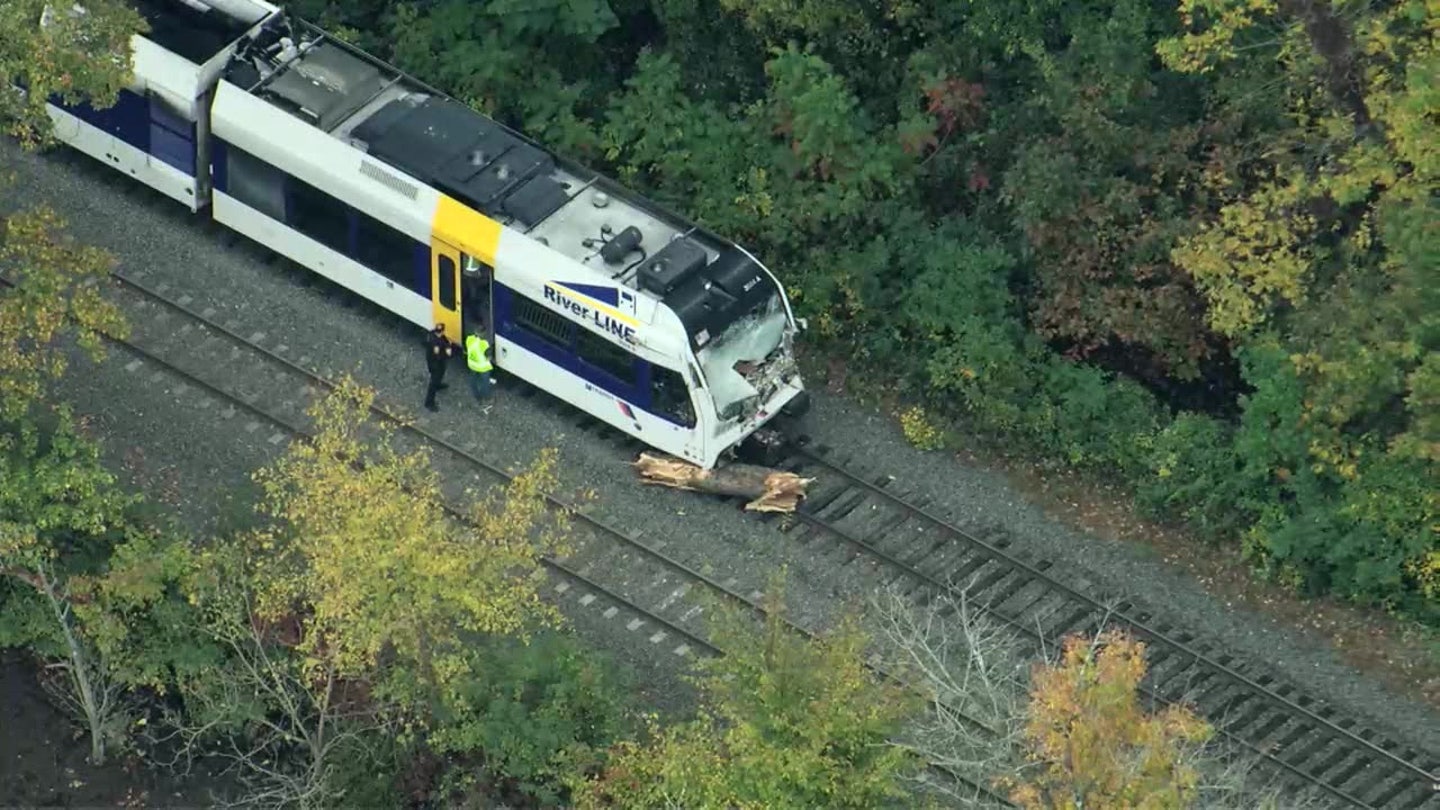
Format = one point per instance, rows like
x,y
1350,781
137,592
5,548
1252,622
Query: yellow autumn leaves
x,y
78,56
58,292
360,545
1090,742
1260,253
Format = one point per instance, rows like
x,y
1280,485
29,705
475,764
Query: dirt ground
x,y
42,757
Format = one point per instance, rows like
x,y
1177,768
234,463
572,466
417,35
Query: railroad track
x,y
266,393
1311,744
1307,744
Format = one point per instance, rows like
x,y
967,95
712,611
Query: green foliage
x,y
536,712
81,585
1196,474
63,517
361,609
359,546
57,293
721,61
789,723
1338,513
80,57
973,199
1319,263
1097,190
282,721
320,655
496,60
1168,215
59,515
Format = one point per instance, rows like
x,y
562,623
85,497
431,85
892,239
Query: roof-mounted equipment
x,y
671,266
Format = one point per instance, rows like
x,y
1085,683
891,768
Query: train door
x,y
476,299
445,289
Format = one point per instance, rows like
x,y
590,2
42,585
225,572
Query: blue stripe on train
x,y
144,123
172,137
565,357
219,177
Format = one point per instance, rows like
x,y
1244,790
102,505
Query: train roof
x,y
198,30
619,236
399,120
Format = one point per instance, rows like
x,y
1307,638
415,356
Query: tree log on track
x,y
769,490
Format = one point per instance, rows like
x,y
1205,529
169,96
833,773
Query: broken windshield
x,y
746,343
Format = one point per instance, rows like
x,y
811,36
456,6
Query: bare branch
x,y
972,674
277,731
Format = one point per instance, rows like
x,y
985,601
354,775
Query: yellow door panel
x,y
445,288
467,229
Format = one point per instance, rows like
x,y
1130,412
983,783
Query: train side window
x,y
255,183
319,216
542,323
669,397
447,282
606,356
385,250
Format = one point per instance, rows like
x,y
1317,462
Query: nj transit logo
x,y
603,306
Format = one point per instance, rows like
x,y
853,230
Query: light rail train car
x,y
158,130
387,187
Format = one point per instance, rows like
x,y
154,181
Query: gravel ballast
x,y
984,502
153,236
192,455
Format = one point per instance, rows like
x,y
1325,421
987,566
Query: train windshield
x,y
739,354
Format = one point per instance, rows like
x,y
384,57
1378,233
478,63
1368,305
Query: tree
x,y
789,723
536,712
58,291
81,584
1321,261
359,546
75,55
971,672
1091,743
530,64
356,607
1101,192
280,722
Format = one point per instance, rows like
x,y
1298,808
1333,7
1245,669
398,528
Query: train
x,y
346,165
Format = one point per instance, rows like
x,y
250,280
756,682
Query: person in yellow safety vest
x,y
480,381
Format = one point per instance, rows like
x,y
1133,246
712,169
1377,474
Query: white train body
x,y
387,187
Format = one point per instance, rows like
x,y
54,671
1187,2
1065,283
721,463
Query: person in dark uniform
x,y
438,352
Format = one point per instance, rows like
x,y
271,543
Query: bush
x,y
537,712
1094,420
1371,542
920,430
1193,471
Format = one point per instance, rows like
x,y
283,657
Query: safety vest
x,y
475,348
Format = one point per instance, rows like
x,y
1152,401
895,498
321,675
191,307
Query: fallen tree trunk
x,y
769,490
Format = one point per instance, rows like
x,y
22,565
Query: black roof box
x,y
671,266
703,308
